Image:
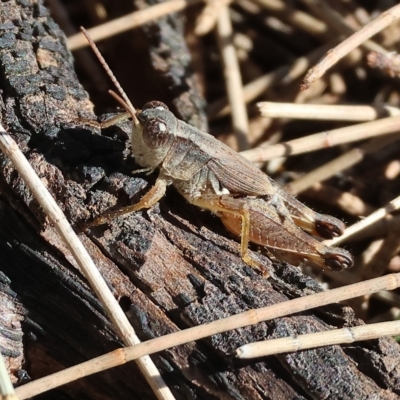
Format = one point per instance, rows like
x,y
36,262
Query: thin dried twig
x,y
371,219
334,55
338,23
7,391
233,79
296,18
348,202
325,111
376,258
379,229
346,160
129,21
57,217
285,74
389,63
313,340
326,139
251,317
388,297
84,58
207,19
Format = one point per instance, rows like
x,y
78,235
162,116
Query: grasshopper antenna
x,y
123,99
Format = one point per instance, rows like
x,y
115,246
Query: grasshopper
x,y
212,176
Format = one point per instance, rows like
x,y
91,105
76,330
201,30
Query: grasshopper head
x,y
154,137
158,125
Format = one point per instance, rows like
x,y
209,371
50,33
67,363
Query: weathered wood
x,y
170,267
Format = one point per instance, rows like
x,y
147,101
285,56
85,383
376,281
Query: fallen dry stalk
x,y
251,317
129,21
325,111
207,19
282,75
7,391
348,202
100,287
299,19
326,139
319,339
364,223
345,161
233,79
359,37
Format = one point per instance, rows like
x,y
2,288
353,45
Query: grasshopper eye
x,y
155,133
155,104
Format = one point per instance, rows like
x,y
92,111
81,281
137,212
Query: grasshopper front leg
x,y
148,200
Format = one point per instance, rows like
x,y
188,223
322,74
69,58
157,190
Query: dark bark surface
x,y
170,267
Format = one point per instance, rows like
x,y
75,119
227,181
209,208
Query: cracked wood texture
x,y
170,267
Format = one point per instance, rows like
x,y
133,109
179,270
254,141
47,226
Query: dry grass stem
x,y
379,229
345,161
348,202
283,75
233,79
207,19
325,112
338,23
363,224
388,297
347,277
129,21
334,55
96,10
378,254
251,317
56,216
7,391
296,18
83,58
389,63
326,139
392,170
313,340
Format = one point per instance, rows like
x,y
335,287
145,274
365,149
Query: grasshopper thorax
x,y
154,135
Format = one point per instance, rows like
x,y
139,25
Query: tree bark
x,y
170,267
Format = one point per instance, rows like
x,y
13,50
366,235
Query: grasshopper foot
x,y
337,259
97,221
251,262
100,220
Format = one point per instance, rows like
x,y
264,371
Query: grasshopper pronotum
x,y
211,175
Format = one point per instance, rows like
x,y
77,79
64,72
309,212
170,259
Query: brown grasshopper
x,y
212,176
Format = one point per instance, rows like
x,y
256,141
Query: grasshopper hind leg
x,y
244,241
219,205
